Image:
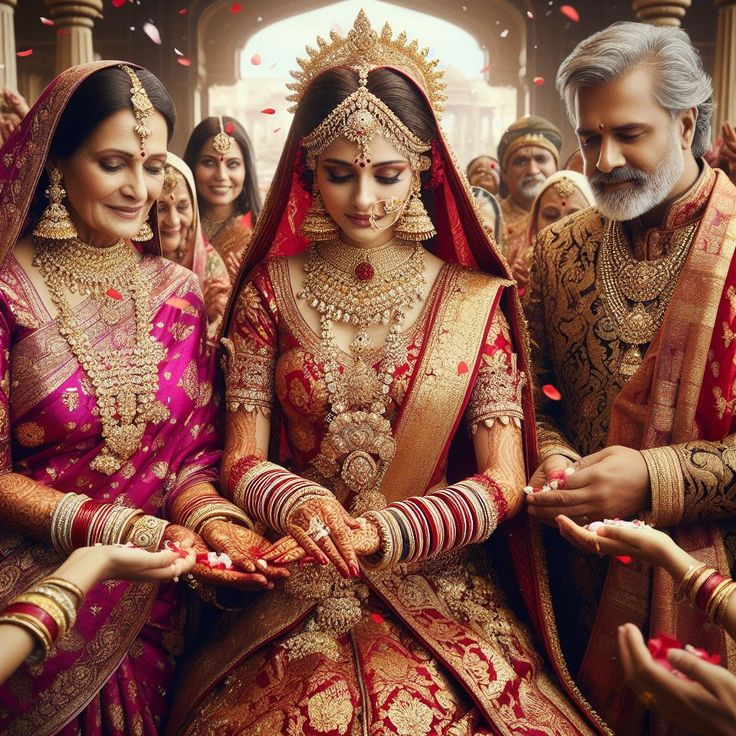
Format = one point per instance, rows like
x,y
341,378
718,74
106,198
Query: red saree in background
x,y
439,651
111,672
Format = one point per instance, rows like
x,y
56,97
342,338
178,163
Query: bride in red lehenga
x,y
378,416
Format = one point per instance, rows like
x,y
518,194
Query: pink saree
x,y
110,673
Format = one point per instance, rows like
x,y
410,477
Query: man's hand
x,y
612,483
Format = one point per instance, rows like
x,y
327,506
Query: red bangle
x,y
706,589
81,523
29,609
239,468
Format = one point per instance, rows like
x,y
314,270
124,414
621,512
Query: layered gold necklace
x,y
361,287
636,293
210,228
125,379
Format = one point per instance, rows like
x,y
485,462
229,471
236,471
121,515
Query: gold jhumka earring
x,y
317,224
414,222
55,222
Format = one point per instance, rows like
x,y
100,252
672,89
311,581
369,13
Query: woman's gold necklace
x,y
125,380
361,287
636,293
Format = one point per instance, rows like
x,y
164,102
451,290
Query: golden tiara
x,y
363,48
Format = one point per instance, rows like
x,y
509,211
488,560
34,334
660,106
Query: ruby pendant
x,y
364,271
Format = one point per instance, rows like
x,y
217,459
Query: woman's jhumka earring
x,y
144,233
415,223
55,222
317,224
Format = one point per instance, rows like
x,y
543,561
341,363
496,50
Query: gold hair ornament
x,y
363,48
142,106
564,187
222,141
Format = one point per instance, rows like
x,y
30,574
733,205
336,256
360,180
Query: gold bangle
x,y
691,572
51,607
720,611
147,532
66,585
697,583
61,598
36,629
715,598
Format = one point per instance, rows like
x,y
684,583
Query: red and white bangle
x,y
269,493
425,526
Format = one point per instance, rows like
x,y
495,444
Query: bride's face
x,y
351,193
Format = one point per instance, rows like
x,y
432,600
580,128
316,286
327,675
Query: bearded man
x,y
632,311
529,152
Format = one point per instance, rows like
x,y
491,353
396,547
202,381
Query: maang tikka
x,y
222,142
142,109
55,222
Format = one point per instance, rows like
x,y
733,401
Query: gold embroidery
x,y
331,709
29,434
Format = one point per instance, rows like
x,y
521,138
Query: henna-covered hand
x,y
244,547
336,546
211,576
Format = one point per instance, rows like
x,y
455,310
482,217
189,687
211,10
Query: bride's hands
x,y
364,538
322,528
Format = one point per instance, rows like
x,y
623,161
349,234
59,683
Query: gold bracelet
x,y
66,585
147,532
697,583
719,611
61,598
716,596
379,560
36,629
115,525
687,579
51,607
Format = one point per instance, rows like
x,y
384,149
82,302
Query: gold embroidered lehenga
x,y
432,646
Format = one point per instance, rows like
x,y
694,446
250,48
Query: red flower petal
x,y
539,81
268,111
183,11
255,59
485,68
569,12
114,294
551,392
623,559
27,52
47,21
229,128
462,368
118,3
236,8
377,618
184,62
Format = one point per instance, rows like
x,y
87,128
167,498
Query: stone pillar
x,y
8,71
661,12
75,19
725,68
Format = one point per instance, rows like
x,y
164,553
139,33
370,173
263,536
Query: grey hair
x,y
680,81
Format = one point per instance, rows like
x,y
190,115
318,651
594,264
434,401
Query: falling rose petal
x,y
539,81
462,368
259,19
377,618
47,21
551,392
569,12
27,52
118,3
236,8
229,128
530,15
504,33
276,130
624,559
255,59
485,68
177,52
182,11
184,62
114,294
152,32
268,111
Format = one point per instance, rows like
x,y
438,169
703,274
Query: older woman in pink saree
x,y
108,408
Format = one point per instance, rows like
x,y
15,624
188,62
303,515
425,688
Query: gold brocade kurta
x,y
575,348
515,225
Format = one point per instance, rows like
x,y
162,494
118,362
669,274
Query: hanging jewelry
x,y
144,234
361,288
317,225
142,107
222,142
125,380
636,293
55,222
414,222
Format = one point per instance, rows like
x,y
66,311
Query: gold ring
x,y
647,699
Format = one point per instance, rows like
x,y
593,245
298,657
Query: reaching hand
x,y
216,292
608,484
703,704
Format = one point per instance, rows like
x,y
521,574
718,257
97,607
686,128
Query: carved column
x,y
659,13
75,20
8,72
725,69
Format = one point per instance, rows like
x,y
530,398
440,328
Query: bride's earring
x,y
55,222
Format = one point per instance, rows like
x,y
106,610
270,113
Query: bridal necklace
x,y
125,380
636,293
361,287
